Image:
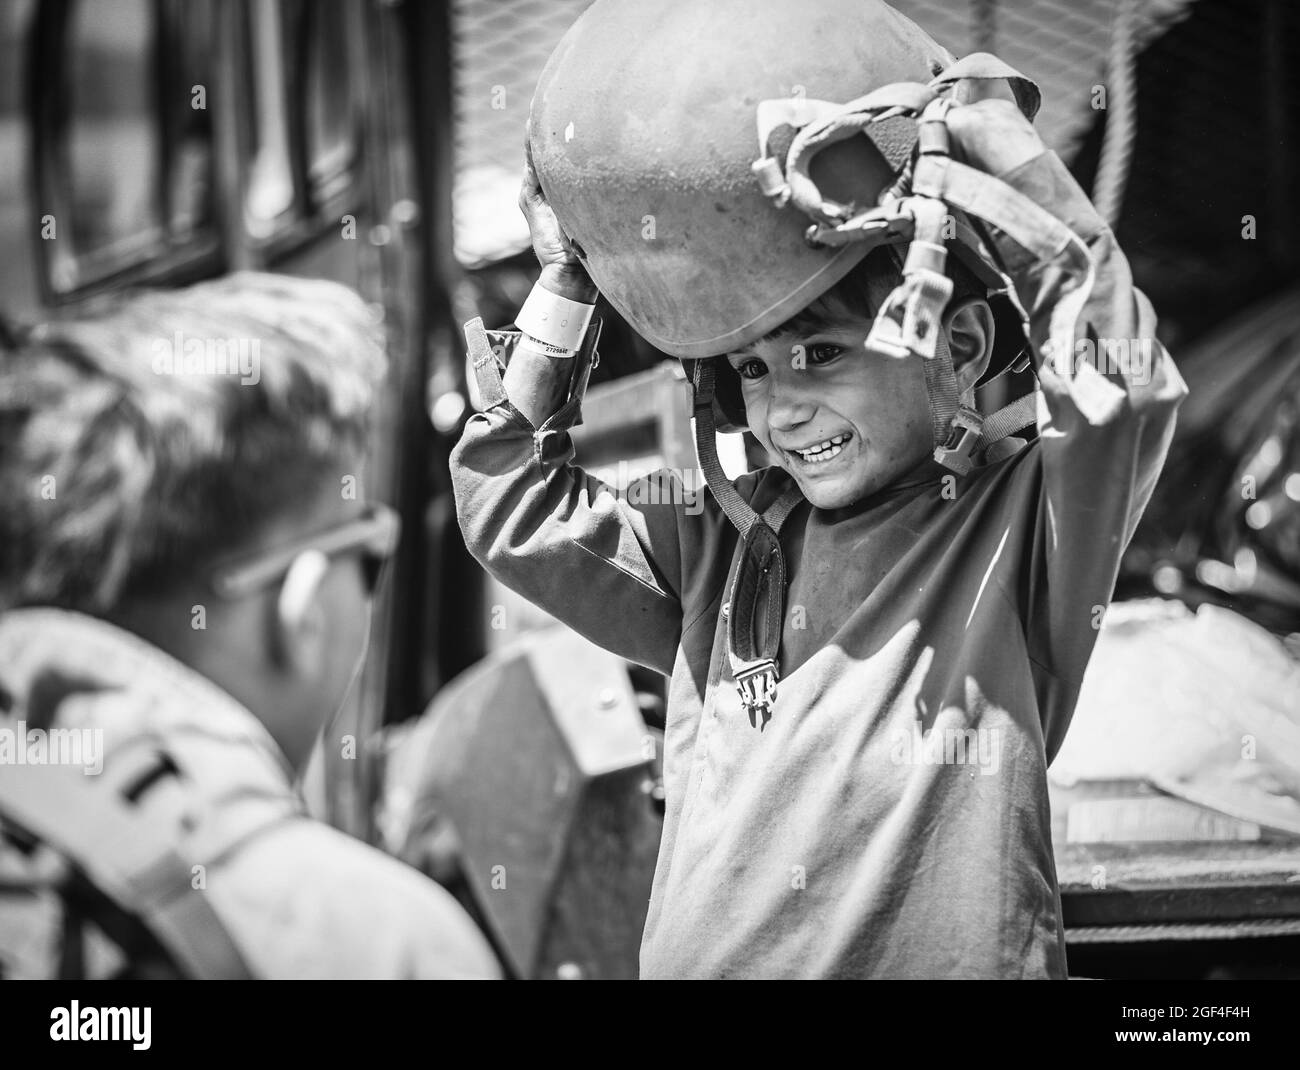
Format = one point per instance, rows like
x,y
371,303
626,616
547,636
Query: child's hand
x,y
562,271
992,135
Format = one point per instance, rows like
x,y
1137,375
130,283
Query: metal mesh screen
x,y
1215,155
1061,44
501,46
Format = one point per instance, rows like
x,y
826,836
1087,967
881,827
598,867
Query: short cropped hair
x,y
141,440
864,289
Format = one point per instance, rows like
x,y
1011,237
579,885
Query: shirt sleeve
x,y
609,564
1106,416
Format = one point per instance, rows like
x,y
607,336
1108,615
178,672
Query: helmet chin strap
x,y
941,390
957,429
756,606
961,433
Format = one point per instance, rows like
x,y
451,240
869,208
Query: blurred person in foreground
x,y
184,571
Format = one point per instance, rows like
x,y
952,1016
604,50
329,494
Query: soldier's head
x,y
188,465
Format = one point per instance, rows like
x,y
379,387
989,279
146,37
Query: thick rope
x,y
1121,116
985,29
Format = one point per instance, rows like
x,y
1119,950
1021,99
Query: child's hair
x,y
864,289
138,442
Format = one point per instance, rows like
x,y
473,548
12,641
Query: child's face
x,y
865,415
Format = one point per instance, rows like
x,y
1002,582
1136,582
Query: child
x,y
876,803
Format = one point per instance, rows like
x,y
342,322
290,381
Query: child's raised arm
x,y
609,564
1103,437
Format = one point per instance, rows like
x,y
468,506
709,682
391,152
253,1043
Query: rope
x,y
984,16
1121,119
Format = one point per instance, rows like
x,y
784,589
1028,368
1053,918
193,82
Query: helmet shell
x,y
643,130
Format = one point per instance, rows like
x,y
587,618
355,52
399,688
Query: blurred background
x,y
379,143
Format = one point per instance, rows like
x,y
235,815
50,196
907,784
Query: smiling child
x,y
887,814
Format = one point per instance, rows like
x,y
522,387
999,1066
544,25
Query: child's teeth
x,y
824,451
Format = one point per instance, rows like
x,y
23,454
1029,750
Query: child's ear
x,y
970,327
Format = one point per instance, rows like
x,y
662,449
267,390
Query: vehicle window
x,y
188,107
121,140
269,197
329,113
112,141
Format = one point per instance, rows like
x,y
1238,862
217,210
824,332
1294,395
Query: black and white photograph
x,y
650,489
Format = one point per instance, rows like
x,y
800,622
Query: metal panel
x,y
530,782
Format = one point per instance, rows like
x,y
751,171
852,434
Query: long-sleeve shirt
x,y
892,818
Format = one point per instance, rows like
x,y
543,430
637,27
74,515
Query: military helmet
x,y
642,131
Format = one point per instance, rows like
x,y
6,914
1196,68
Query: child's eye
x,y
823,353
751,369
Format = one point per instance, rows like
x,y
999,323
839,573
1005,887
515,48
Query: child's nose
x,y
788,406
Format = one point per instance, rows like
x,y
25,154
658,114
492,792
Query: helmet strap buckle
x,y
911,320
957,453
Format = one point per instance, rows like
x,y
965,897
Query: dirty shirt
x,y
891,819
